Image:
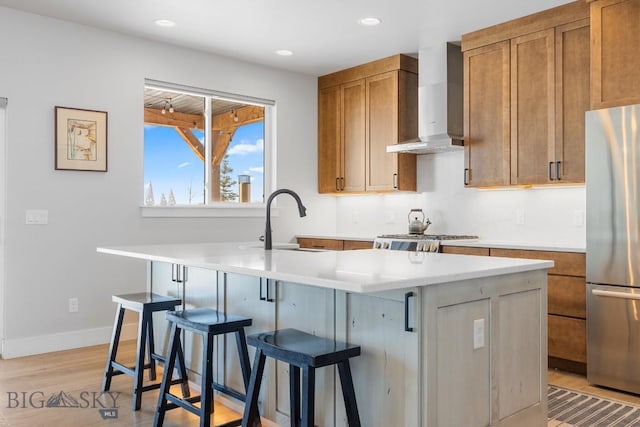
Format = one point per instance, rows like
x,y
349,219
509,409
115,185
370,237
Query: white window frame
x,y
222,209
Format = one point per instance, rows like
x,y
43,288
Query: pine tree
x,y
172,198
227,183
148,198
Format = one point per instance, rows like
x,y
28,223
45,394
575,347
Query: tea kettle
x,y
417,226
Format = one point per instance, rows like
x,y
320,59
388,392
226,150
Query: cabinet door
x,y
381,130
615,62
463,372
386,375
310,309
533,108
353,136
572,99
247,296
329,136
486,112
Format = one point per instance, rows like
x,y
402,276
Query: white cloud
x,y
244,148
183,165
257,169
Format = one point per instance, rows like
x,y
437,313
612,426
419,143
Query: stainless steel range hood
x,y
440,109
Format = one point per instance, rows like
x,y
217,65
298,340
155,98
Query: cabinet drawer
x,y
331,244
567,338
465,250
567,263
357,244
567,296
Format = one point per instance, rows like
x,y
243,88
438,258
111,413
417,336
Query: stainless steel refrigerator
x,y
613,247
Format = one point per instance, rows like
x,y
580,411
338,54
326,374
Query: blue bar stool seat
x,y
208,323
145,304
304,352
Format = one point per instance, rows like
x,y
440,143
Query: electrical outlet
x,y
478,334
73,305
33,217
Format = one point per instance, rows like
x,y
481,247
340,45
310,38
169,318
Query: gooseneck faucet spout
x,y
301,209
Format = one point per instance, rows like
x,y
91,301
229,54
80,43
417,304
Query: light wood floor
x,y
79,373
74,372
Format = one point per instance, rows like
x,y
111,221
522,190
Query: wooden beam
x,y
246,115
221,141
154,116
191,140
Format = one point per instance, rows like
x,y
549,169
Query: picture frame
x,y
80,139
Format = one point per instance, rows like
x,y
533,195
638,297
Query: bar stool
x,y
145,303
307,352
208,323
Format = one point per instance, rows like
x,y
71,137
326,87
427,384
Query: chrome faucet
x,y
301,209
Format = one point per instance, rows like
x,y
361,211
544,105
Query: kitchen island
x,y
446,339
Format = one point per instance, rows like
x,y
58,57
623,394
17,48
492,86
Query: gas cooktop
x,y
428,237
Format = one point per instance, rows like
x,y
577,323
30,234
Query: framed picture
x,y
81,139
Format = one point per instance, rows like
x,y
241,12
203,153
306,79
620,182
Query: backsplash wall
x,y
543,215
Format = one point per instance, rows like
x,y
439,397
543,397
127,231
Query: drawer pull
x,y
614,294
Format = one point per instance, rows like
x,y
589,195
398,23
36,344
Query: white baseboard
x,y
19,347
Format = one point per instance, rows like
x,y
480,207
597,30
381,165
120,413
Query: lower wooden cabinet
x,y
566,303
334,244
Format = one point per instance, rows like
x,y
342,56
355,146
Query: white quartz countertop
x,y
368,270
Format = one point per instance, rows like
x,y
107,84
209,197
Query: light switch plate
x,y
36,217
478,334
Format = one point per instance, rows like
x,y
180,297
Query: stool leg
x,y
250,415
151,348
174,344
245,366
182,370
139,370
294,395
349,393
206,389
113,348
308,389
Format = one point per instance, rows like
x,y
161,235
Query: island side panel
x,y
387,373
511,370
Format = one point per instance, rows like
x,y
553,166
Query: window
x,y
205,148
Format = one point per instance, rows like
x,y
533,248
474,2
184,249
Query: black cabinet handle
x,y
549,171
261,297
558,171
269,299
178,273
342,183
338,184
395,181
406,311
466,176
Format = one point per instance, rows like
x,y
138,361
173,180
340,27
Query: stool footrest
x,y
121,369
186,403
229,391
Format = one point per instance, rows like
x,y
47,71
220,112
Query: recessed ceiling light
x,y
369,22
284,52
164,23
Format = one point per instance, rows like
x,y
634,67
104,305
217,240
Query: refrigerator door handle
x,y
613,294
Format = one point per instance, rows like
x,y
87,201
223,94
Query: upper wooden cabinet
x,y
361,110
615,41
526,91
486,115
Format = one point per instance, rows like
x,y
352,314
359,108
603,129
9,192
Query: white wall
x,y
551,214
46,62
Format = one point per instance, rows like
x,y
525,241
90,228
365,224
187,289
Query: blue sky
x,y
169,164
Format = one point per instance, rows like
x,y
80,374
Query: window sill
x,y
254,210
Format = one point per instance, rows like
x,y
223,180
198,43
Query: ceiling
x,y
324,35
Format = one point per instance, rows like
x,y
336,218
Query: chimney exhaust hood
x,y
440,103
